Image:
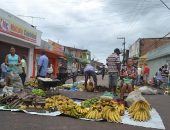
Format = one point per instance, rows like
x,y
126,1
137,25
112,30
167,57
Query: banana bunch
x,y
94,114
139,104
140,110
121,108
111,114
141,114
81,110
33,83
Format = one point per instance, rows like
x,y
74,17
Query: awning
x,y
50,54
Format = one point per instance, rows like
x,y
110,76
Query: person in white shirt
x,y
139,72
50,70
24,69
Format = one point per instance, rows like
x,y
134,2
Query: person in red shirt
x,y
146,72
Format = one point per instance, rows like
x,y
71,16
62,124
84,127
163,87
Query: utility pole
x,y
124,48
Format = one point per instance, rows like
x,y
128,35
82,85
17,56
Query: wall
x,y
148,44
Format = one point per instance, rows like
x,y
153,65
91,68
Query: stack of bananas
x,y
57,102
121,108
74,111
32,83
94,114
111,114
140,110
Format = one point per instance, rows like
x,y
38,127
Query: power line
x,y
165,4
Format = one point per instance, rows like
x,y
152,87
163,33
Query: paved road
x,y
22,121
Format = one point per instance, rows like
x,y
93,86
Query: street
x,y
22,121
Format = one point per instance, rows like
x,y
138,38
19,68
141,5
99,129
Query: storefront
x,y
54,52
19,34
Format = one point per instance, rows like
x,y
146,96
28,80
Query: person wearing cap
x,y
113,63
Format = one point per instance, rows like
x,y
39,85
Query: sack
x,y
90,86
7,90
134,96
147,90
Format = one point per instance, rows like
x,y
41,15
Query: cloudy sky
x,y
94,24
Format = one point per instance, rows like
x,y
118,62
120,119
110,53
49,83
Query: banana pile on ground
x,y
111,114
106,109
32,83
57,102
140,110
89,102
74,110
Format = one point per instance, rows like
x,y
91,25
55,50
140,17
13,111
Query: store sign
x,y
56,47
15,27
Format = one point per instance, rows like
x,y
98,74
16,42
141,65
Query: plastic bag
x,y
147,90
7,90
134,96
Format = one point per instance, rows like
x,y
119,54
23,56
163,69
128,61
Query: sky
x,y
94,24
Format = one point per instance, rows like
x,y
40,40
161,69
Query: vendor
x,y
13,61
128,74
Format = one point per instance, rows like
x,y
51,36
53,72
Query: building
x,y
142,46
158,57
19,34
54,52
81,57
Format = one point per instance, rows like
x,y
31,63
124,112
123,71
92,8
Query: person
x,y
146,72
42,65
139,73
89,71
113,63
158,80
164,74
3,70
62,75
103,71
12,61
74,70
50,70
24,69
128,74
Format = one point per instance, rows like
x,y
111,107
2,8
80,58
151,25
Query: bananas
x,y
140,111
111,114
94,114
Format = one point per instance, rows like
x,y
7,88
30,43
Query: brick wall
x,y
148,44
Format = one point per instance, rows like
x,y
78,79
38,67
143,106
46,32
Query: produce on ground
x,y
32,83
140,110
38,92
89,102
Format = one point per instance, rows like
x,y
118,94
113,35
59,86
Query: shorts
x,y
113,78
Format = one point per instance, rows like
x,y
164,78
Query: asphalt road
x,y
22,121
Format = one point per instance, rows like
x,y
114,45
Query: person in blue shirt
x,y
13,61
42,65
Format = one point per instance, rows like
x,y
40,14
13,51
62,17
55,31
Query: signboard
x,y
15,27
56,47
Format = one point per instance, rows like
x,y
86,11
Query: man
x,y
24,69
89,71
113,63
42,65
103,71
13,61
146,72
3,70
74,70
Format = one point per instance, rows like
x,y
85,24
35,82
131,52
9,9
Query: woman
x,y
13,61
128,74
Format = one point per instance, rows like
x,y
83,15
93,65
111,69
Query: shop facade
x,y
54,52
19,34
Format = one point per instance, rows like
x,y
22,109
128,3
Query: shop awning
x,y
51,54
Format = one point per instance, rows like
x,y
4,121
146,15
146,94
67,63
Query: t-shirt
x,y
112,62
146,70
24,65
43,61
139,71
